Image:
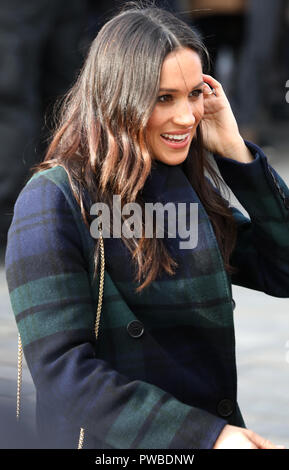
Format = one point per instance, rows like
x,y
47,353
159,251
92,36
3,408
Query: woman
x,y
162,372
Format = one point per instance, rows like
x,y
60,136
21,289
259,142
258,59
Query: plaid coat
x,y
162,373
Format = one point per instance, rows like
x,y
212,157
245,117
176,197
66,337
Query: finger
x,y
261,442
208,90
253,446
212,82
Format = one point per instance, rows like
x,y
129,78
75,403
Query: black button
x,y
225,407
135,329
233,304
286,202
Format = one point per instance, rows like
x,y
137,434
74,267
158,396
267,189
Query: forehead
x,y
181,67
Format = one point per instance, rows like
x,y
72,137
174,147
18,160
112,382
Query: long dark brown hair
x,y
100,137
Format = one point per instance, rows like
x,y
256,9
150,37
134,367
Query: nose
x,y
184,114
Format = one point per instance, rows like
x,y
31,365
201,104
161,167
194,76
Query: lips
x,y
175,137
171,140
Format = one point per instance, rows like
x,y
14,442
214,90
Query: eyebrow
x,y
173,90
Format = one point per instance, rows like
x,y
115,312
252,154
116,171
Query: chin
x,y
174,160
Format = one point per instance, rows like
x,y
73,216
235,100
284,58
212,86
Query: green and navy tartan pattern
x,y
162,388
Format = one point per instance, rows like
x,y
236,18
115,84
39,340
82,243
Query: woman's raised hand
x,y
234,437
220,130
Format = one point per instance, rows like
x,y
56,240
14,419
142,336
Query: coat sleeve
x,y
50,293
261,254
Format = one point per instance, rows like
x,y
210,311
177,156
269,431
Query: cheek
x,y
155,122
149,129
199,110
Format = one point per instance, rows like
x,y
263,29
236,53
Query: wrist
x,y
237,150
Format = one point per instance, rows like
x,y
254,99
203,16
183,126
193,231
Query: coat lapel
x,y
200,284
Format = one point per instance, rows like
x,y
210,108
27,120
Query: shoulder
x,y
56,176
46,205
46,190
46,218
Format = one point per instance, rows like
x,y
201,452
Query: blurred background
x,y
43,44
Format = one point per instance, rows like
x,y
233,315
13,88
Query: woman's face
x,y
179,108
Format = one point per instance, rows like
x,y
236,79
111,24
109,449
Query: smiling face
x,y
179,108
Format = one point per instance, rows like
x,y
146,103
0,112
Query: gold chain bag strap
x,y
97,321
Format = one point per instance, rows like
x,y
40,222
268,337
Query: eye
x,y
167,98
164,98
196,93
